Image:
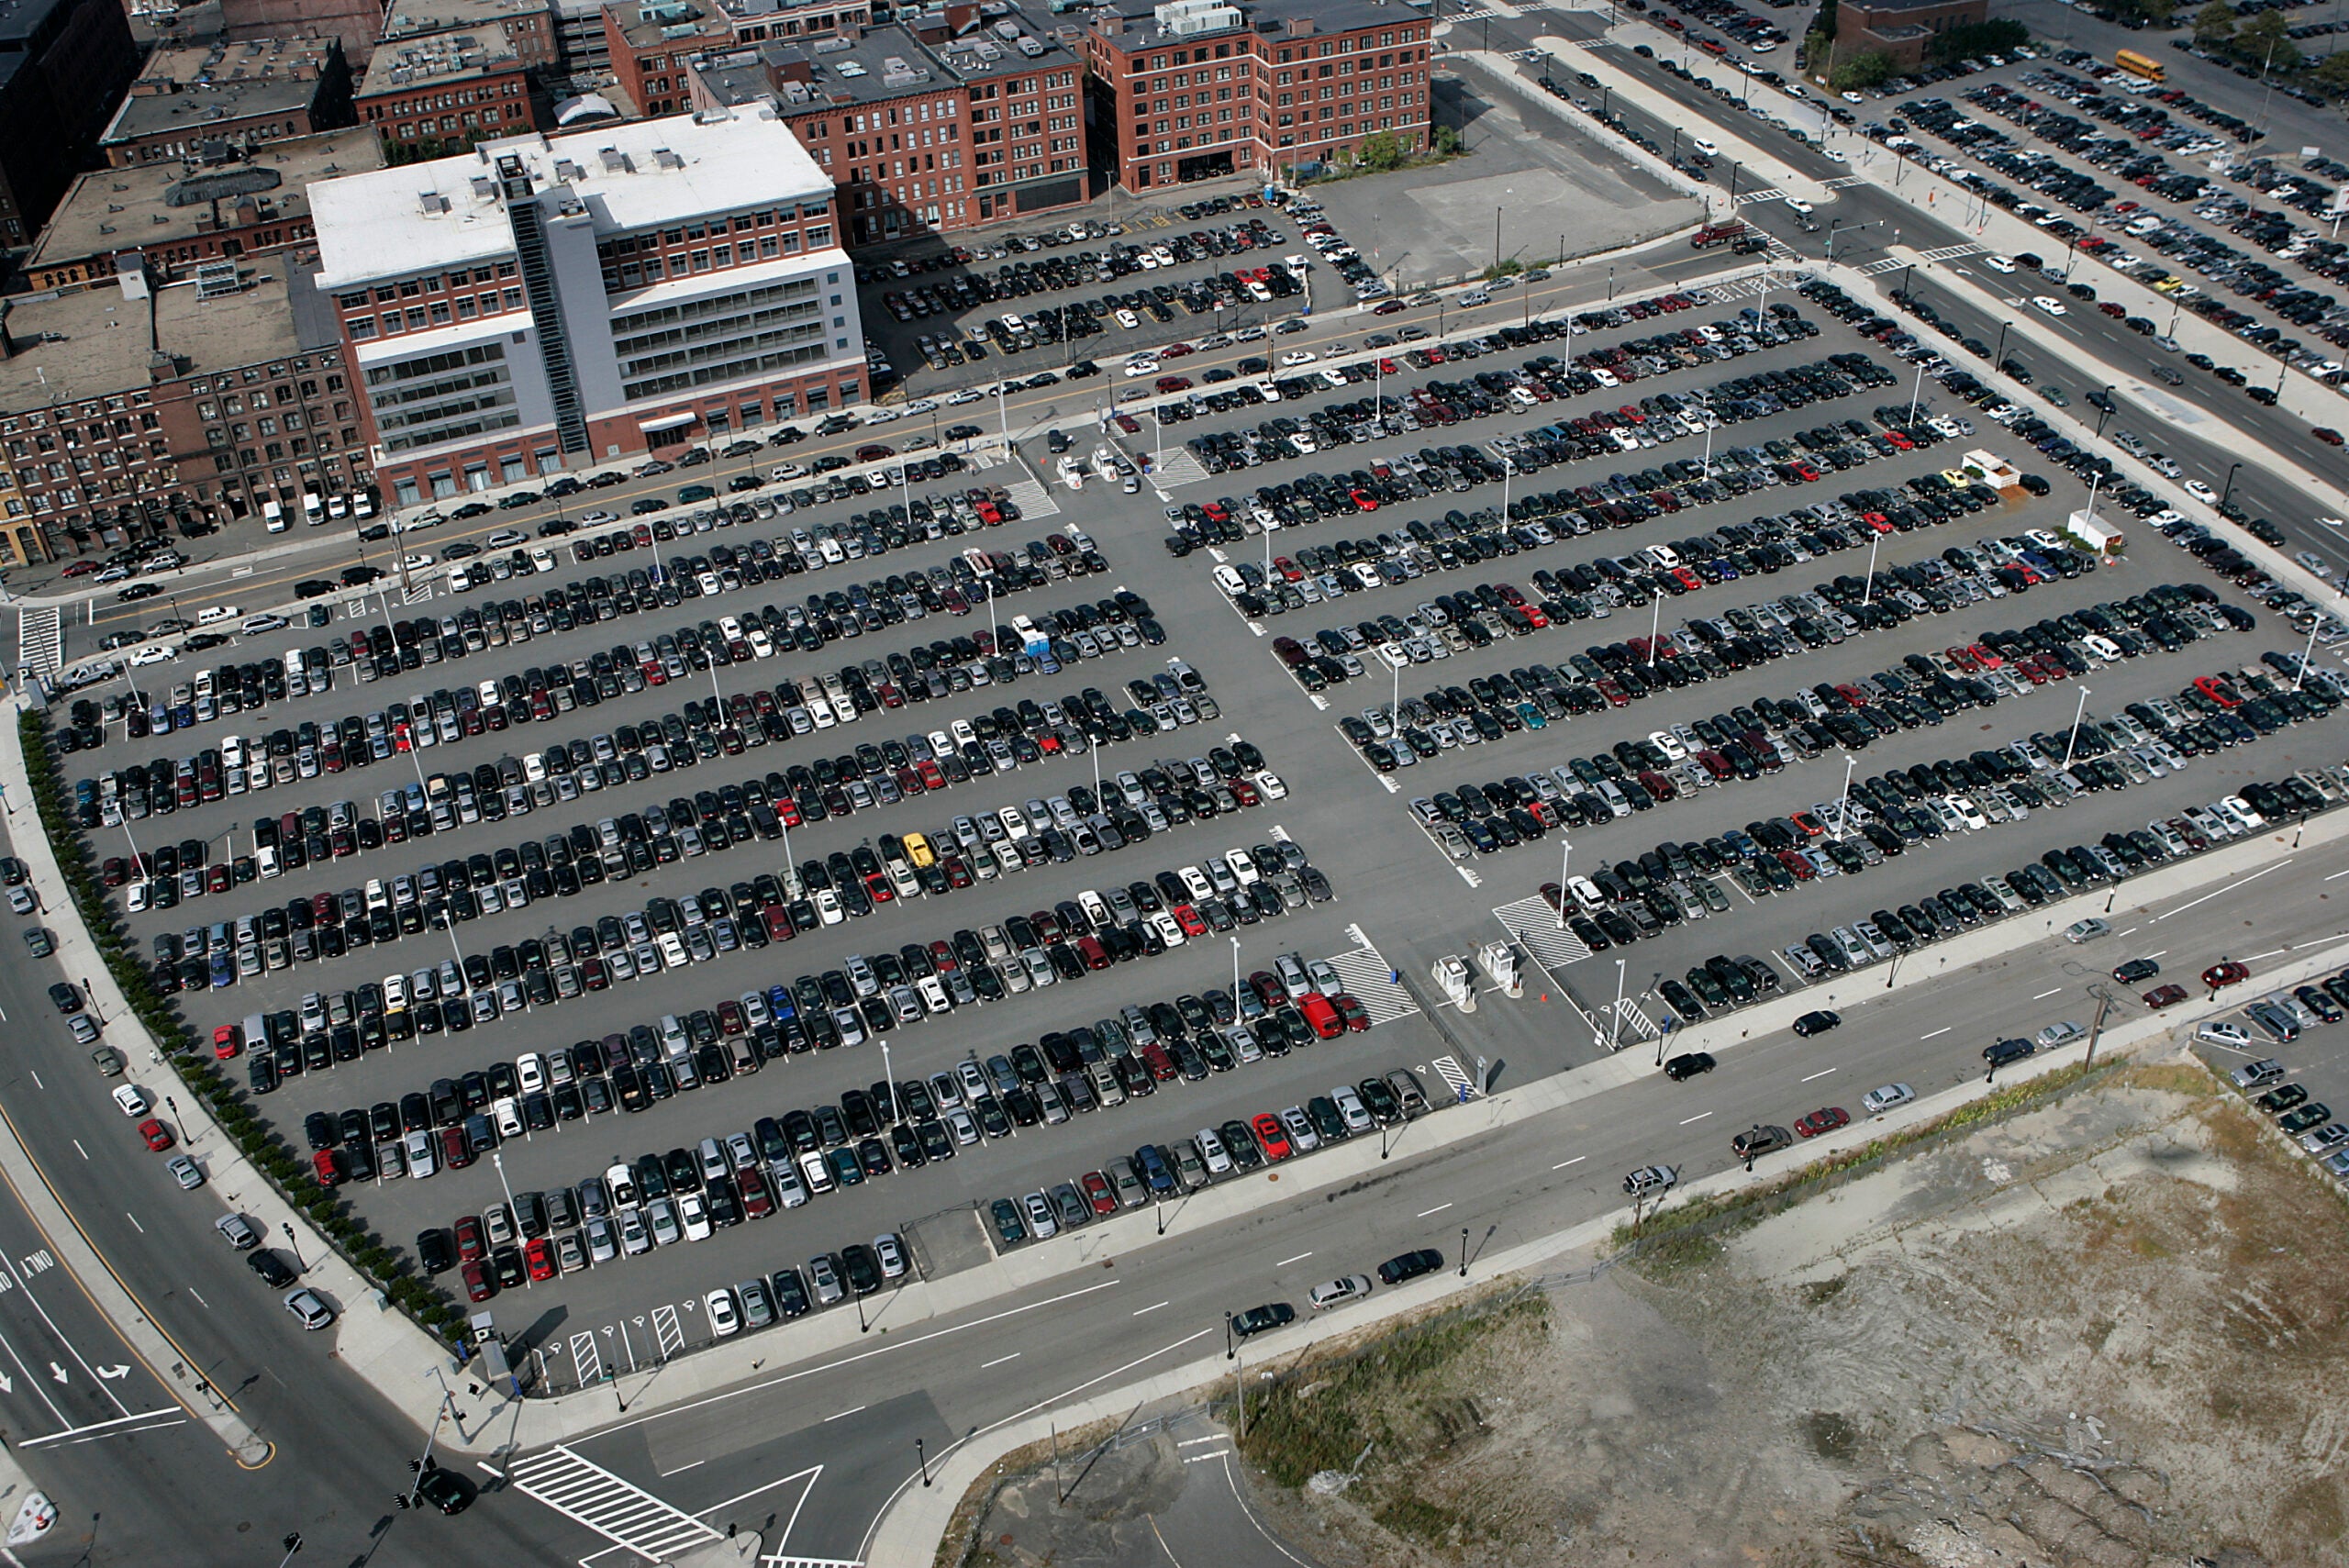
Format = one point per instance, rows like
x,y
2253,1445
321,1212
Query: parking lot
x,y
588,1036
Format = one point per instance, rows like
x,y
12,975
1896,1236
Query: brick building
x,y
1903,30
554,303
1196,88
197,100
529,26
435,93
176,219
193,402
63,64
651,44
923,129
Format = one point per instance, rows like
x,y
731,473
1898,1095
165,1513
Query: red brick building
x,y
1197,88
193,98
436,94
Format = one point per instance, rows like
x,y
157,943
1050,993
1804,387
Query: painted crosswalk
x,y
668,1333
619,1510
1746,198
1889,264
1032,499
1371,980
39,639
1949,252
1845,182
1532,925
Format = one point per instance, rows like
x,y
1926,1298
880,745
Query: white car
x,y
154,654
132,1100
255,625
1141,367
725,1317
2201,492
1703,145
1997,264
1875,1102
1299,357
1796,203
892,1255
1833,155
2048,304
694,1215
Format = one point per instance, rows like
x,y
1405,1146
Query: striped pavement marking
x,y
619,1510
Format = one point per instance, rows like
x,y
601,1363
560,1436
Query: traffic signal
x,y
415,1466
400,1501
293,1542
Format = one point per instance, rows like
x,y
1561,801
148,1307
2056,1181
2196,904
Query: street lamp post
x,y
1463,1251
2228,488
1844,810
1228,1351
299,1267
1998,354
922,1459
2072,741
1615,1019
1867,593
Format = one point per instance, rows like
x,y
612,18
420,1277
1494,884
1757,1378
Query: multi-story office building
x,y
553,303
432,94
1196,88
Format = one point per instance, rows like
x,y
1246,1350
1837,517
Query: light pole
x,y
1235,970
2228,488
2072,741
1229,1352
2106,412
299,1267
1867,592
922,1459
498,1160
889,1078
1615,1019
1998,354
1843,811
1463,1251
1565,891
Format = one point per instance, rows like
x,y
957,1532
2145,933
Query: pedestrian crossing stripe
x,y
1950,252
1448,1069
39,639
617,1509
1175,468
1370,980
1532,925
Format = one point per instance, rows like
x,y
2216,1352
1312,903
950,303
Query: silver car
x,y
824,1279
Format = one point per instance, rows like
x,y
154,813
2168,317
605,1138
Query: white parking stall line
x,y
1179,469
615,1508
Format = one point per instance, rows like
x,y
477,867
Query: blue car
x,y
223,969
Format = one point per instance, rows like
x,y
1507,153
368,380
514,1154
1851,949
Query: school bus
x,y
2136,64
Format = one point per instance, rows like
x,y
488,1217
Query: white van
x,y
314,508
273,517
213,615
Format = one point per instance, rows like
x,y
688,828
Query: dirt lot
x,y
2103,1331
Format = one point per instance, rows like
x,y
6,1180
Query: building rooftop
x,y
649,24
400,63
98,343
632,176
409,19
1007,39
885,62
183,88
1134,24
161,23
153,205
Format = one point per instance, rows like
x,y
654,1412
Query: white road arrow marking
x,y
8,1383
111,1373
57,1371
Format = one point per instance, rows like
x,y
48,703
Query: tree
x,y
2266,40
2333,72
1825,26
2214,23
1445,140
1975,40
1861,71
2151,13
1380,151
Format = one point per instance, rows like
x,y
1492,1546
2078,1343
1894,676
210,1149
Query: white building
x,y
551,303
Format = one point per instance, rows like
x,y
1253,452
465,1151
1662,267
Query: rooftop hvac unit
x,y
1032,48
1212,19
215,279
431,202
830,45
665,159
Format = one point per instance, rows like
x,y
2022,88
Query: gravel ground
x,y
2091,1334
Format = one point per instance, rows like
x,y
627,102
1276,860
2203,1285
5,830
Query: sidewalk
x,y
915,1521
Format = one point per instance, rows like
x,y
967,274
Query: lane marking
x,y
1287,1262
2044,994
134,1222
1821,1073
1698,1117
1575,1160
838,1414
1942,1030
2271,952
2222,892
1437,1209
1152,1308
2336,876
1194,1442
999,1361
696,1465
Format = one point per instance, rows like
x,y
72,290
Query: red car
x,y
2162,997
1271,1136
1190,920
158,1136
1100,1193
2326,434
471,1244
327,1164
539,1257
1356,1017
479,1286
1827,1119
2226,973
226,1041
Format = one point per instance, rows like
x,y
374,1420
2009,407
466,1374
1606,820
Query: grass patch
x,y
1688,1234
1396,1396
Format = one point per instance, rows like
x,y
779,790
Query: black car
x,y
1818,1022
2136,970
1264,1319
1410,1265
275,1272
1997,1055
434,1252
67,999
445,1489
862,1269
1688,1065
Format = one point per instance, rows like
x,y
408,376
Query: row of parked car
x,y
2266,1083
688,1194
